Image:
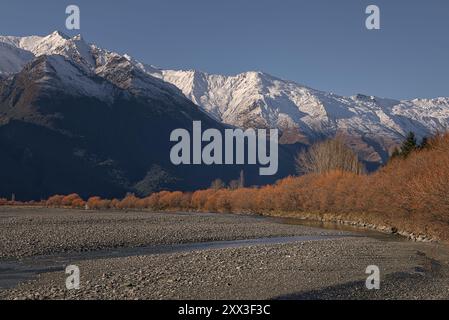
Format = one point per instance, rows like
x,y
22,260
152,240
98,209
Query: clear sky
x,y
320,43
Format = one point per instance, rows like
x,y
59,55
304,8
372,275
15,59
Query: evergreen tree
x,y
410,144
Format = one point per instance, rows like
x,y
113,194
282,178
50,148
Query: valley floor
x,y
141,255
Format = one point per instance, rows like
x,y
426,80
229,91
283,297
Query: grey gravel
x,y
26,232
323,269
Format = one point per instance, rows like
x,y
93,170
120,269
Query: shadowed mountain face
x,y
65,129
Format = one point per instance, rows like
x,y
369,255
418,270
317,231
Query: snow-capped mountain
x,y
78,56
371,125
256,99
77,118
54,44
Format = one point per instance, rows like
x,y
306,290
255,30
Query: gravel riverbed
x,y
320,269
26,232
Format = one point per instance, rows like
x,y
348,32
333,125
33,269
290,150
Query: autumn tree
x,y
327,156
54,201
217,184
68,201
234,184
129,202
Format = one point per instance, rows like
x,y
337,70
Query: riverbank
x,y
365,223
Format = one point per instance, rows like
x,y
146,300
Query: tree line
x,y
411,192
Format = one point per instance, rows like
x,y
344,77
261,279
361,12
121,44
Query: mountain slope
x,y
13,59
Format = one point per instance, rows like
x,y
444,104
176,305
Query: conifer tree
x,y
410,144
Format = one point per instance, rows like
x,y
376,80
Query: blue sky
x,y
320,43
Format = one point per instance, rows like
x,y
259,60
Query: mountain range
x,y
68,108
373,126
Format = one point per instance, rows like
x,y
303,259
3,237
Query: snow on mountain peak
x,y
56,43
58,72
257,99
